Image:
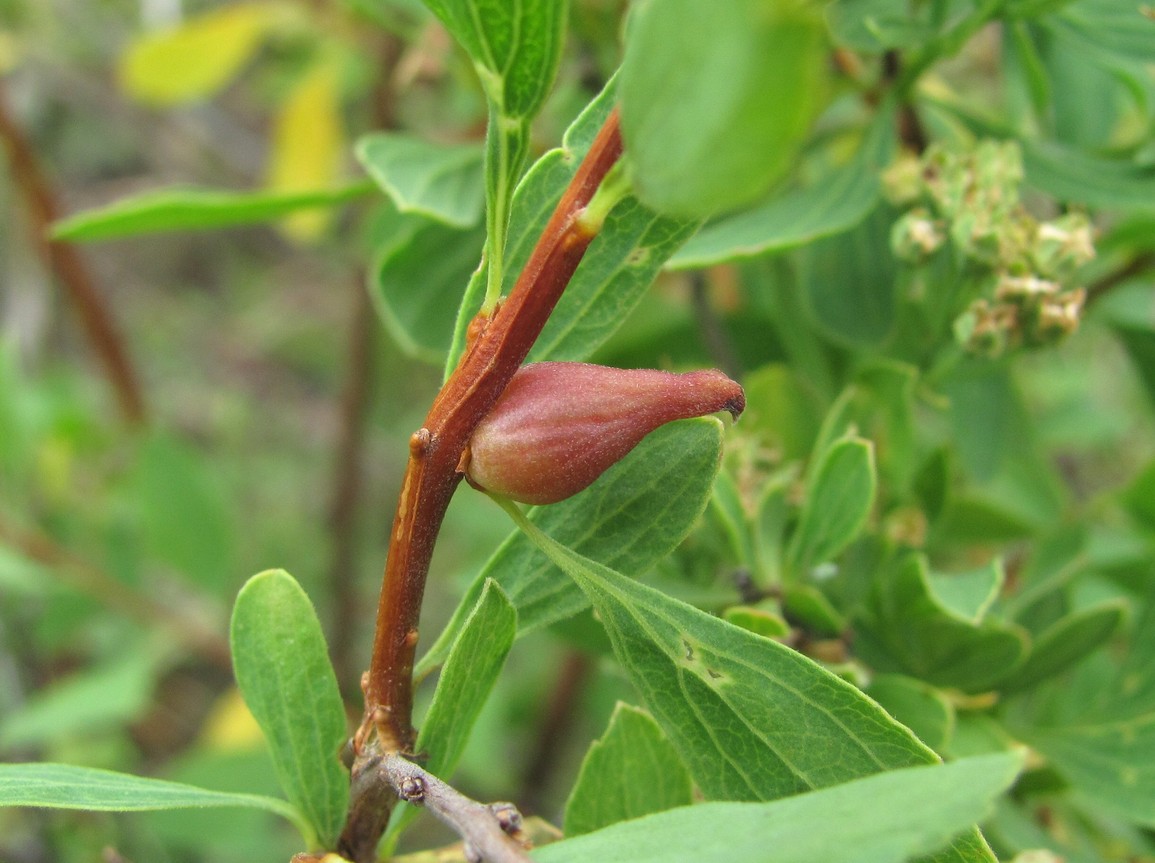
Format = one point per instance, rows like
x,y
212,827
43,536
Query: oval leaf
x,y
630,771
717,97
441,181
839,495
284,674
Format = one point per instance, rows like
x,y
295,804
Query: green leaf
x,y
1110,763
1077,177
616,270
1139,497
830,205
189,209
717,98
64,786
888,818
283,671
878,25
838,499
1140,345
911,629
631,771
184,516
1070,640
632,517
1116,28
921,708
474,662
753,719
514,44
969,595
848,282
441,181
417,280
85,703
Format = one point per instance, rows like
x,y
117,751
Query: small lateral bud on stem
x,y
559,426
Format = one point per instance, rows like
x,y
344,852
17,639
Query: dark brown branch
x,y
354,410
555,725
497,346
65,263
711,329
488,831
910,129
1125,273
347,486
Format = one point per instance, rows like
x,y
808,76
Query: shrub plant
x,y
899,610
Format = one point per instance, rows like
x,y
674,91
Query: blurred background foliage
x,y
274,394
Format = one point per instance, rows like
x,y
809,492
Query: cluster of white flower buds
x,y
1024,266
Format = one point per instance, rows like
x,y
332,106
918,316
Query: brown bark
x,y
63,260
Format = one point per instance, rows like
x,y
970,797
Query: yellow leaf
x,y
230,726
308,145
9,52
196,58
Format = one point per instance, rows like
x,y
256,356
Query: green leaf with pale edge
x,y
717,98
618,267
64,786
969,594
631,771
417,281
1115,28
831,204
909,628
441,181
474,663
887,818
839,495
515,45
191,209
631,518
1109,763
918,706
1068,641
1077,177
753,719
283,671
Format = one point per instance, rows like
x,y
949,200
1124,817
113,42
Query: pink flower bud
x,y
559,426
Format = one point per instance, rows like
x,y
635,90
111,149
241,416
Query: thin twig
x,y
559,716
711,329
347,485
64,261
115,594
487,830
1096,290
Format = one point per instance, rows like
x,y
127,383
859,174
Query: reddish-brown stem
x,y
497,347
431,476
65,263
